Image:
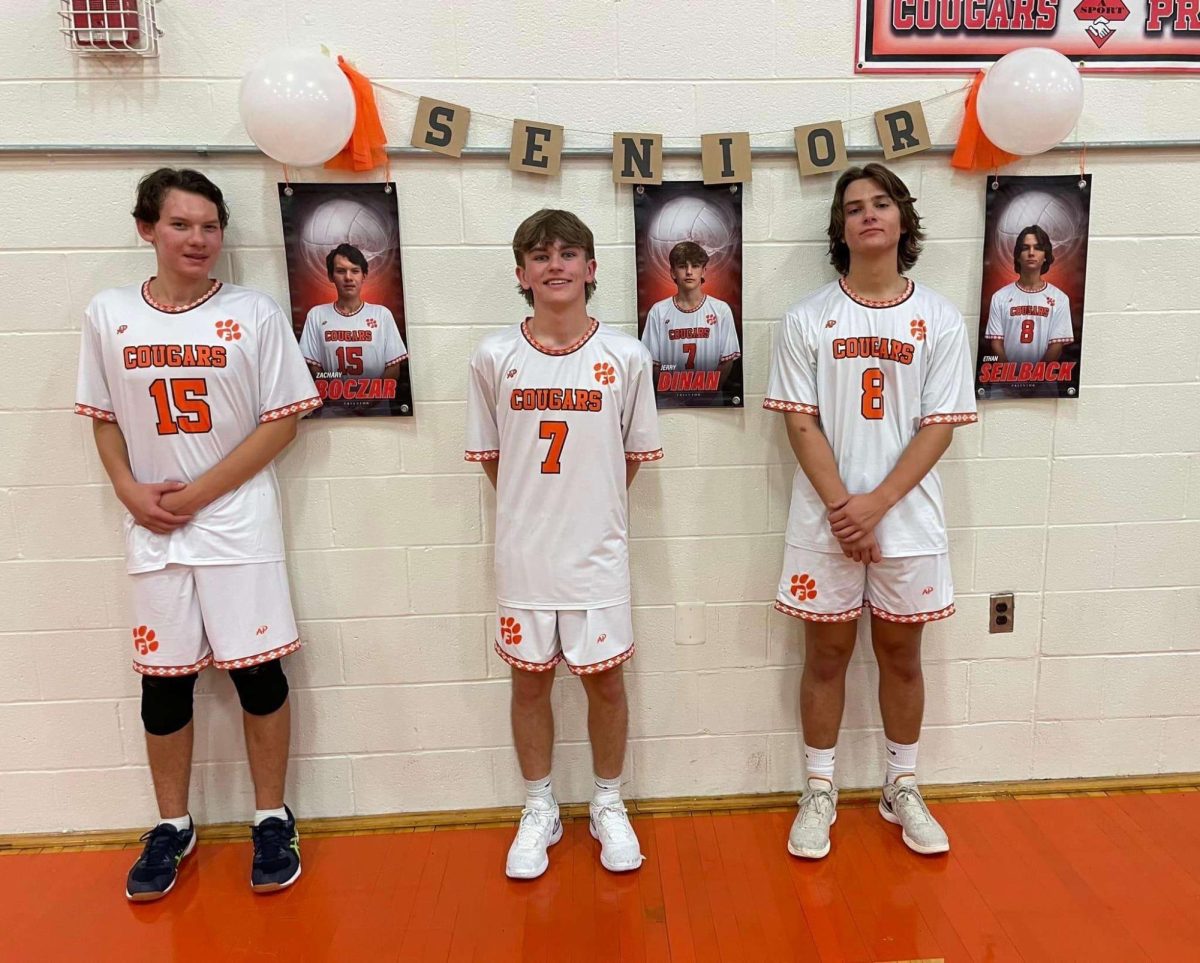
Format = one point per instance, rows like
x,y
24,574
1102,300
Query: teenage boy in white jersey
x,y
691,330
872,373
194,386
349,339
1030,319
560,414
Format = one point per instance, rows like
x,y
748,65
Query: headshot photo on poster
x,y
1031,300
342,243
688,240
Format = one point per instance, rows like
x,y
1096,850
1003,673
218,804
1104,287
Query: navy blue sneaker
x,y
156,870
276,854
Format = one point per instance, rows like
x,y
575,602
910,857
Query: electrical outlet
x,y
1003,611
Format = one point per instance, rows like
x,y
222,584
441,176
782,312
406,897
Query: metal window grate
x,y
106,27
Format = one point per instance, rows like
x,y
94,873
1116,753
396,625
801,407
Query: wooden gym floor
x,y
1087,876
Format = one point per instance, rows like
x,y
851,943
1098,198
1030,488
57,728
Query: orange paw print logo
x,y
229,330
803,587
510,631
605,373
372,323
144,641
918,329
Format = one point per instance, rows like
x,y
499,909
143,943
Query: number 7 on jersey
x,y
556,433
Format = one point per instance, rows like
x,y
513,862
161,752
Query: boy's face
x,y
186,237
556,274
872,218
1030,255
688,277
347,277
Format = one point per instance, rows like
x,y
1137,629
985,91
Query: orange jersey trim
x,y
527,666
569,349
481,455
951,418
262,657
403,357
848,616
98,413
171,671
730,357
918,617
604,666
774,404
308,404
644,455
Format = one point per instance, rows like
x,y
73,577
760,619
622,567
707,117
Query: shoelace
x,y
160,843
534,824
814,807
910,798
271,839
615,821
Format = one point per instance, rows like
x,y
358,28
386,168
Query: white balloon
x,y
297,106
1030,100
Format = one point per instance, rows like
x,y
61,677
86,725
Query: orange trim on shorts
x,y
171,671
918,617
527,666
595,667
259,659
848,616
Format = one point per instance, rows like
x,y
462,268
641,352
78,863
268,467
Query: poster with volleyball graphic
x,y
1031,303
688,239
342,243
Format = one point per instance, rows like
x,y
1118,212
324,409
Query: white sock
x,y
901,759
819,762
607,792
261,815
181,823
539,794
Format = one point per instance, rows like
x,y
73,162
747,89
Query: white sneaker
x,y
809,836
620,851
539,829
901,803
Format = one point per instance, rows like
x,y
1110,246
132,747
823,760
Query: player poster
x,y
1031,302
342,243
689,270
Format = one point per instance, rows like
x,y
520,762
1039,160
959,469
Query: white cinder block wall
x,y
1088,509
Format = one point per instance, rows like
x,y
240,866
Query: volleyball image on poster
x,y
342,243
689,271
1031,302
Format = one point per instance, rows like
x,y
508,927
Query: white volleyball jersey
x,y
563,423
186,388
701,339
874,373
359,345
1029,321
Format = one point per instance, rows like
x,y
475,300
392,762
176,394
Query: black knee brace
x,y
167,703
262,689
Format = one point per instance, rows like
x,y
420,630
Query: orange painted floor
x,y
1112,877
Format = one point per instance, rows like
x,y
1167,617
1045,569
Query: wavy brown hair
x,y
1043,243
911,234
546,227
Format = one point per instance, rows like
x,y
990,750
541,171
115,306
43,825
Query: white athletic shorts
x,y
588,640
828,587
187,617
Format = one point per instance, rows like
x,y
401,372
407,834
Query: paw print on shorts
x,y
918,329
605,373
510,631
803,587
144,641
229,330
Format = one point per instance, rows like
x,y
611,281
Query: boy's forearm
x,y
916,461
257,451
816,459
114,454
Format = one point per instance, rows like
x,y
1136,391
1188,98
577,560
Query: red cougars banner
x,y
958,36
